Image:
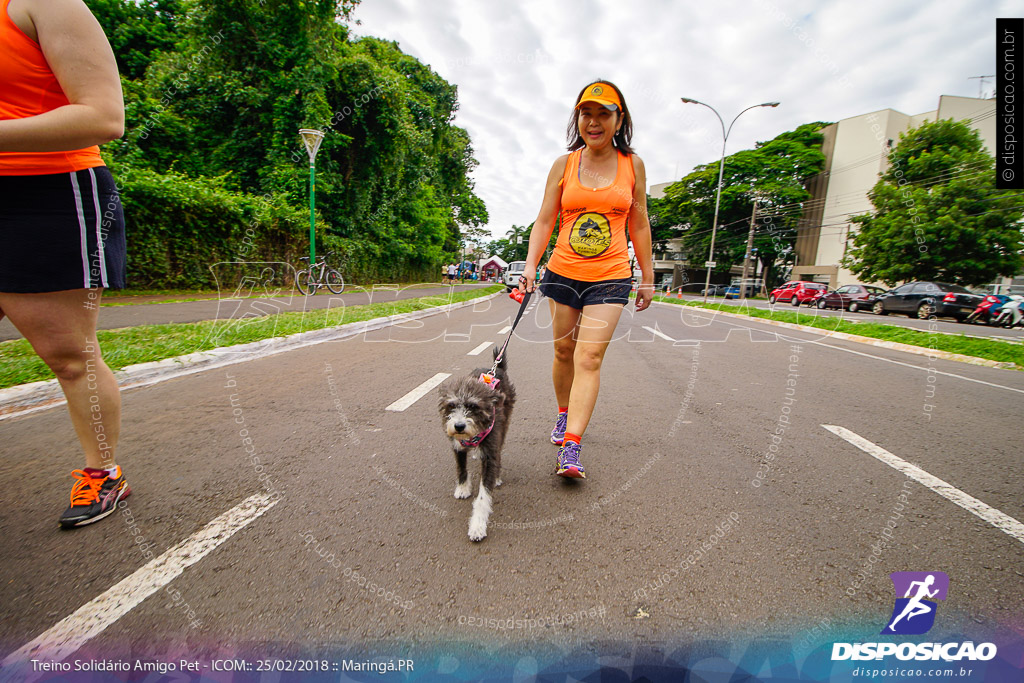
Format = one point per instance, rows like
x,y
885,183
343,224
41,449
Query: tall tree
x,y
938,215
138,31
773,174
394,186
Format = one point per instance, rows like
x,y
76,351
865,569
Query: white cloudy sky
x,y
519,64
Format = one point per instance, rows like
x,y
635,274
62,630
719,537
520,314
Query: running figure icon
x,y
915,607
917,594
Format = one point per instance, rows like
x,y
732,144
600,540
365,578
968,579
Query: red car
x,y
852,297
796,292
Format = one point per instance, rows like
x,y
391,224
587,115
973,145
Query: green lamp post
x,y
311,139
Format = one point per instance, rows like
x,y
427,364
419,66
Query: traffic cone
x,y
679,293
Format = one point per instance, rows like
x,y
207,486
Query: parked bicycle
x,y
320,275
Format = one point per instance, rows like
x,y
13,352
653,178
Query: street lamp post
x,y
311,139
721,168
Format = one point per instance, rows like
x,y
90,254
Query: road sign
x,y
710,264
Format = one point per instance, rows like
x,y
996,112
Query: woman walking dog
x,y
599,193
61,228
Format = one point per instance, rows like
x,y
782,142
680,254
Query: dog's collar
x,y
475,441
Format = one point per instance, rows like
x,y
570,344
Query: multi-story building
x,y
856,151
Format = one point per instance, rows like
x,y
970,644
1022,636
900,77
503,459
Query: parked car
x,y
715,290
925,299
512,273
796,292
733,291
850,297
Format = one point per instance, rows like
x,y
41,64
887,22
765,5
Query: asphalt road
x,y
265,302
692,523
941,325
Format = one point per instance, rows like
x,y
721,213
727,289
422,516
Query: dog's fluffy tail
x,y
504,356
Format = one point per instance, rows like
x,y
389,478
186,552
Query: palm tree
x,y
518,250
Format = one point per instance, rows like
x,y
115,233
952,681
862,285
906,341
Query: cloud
x,y
518,66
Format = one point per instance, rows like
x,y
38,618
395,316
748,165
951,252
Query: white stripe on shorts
x,y
81,229
100,256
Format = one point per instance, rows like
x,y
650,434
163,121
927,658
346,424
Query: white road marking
x,y
998,519
419,392
915,367
70,634
658,334
869,355
155,372
480,349
505,330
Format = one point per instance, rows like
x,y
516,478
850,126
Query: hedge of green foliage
x,y
187,232
180,228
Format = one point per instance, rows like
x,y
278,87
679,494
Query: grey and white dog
x,y
476,416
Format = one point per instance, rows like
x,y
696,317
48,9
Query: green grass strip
x,y
989,349
178,296
131,345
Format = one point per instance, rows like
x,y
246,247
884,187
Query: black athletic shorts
x,y
61,231
578,293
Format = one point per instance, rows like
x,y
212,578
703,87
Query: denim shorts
x,y
578,293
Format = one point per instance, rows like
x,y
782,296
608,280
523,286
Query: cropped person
x,y
62,240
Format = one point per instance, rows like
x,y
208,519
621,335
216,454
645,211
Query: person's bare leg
x,y
564,321
61,327
596,327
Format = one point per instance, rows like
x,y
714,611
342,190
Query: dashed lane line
x,y
74,631
422,390
996,518
658,333
419,392
480,349
26,399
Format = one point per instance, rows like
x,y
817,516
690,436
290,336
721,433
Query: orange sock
x,y
563,410
569,436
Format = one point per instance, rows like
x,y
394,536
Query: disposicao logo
x,y
913,614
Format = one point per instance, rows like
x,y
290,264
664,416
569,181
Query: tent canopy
x,y
493,262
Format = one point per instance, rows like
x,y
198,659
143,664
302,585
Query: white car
x,y
512,273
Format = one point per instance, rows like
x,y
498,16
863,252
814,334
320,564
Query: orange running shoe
x,y
94,496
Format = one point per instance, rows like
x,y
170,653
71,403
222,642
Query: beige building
x,y
856,152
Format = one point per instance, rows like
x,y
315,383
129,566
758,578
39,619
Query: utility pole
x,y
746,258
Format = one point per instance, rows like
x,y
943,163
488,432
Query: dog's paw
x,y
463,490
477,530
497,483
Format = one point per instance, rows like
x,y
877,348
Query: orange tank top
x,y
592,242
29,88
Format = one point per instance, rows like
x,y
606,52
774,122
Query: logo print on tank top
x,y
591,234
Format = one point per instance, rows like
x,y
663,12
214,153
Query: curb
x,y
34,396
871,341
